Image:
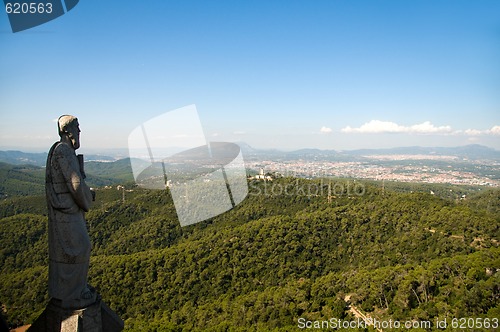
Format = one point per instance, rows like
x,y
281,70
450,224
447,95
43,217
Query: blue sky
x,y
275,74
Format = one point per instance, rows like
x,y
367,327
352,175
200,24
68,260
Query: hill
x,y
23,158
26,180
274,258
116,172
21,180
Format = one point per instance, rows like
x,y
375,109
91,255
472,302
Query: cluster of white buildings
x,y
261,176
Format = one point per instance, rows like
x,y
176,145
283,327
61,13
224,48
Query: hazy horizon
x,y
113,152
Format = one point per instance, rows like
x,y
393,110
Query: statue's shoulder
x,y
62,149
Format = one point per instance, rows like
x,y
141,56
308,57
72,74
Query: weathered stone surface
x,y
110,320
97,317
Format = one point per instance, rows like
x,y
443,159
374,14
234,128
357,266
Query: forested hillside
x,y
29,180
278,256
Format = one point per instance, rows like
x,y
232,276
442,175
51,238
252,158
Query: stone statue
x,y
74,305
68,198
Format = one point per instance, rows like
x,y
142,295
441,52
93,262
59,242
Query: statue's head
x,y
68,127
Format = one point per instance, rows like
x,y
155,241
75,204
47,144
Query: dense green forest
x,y
394,251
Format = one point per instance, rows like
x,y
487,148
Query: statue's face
x,y
74,135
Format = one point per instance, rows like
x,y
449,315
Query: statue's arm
x,y
70,170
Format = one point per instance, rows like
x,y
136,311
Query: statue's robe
x,y
68,198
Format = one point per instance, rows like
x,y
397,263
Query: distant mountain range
x,y
473,151
470,152
15,157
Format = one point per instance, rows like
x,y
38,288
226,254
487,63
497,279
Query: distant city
x,y
373,170
471,165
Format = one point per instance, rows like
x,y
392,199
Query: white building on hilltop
x,y
262,176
